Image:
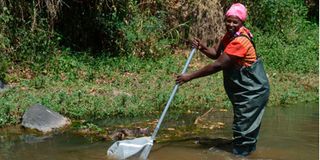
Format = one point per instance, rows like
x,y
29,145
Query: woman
x,y
245,80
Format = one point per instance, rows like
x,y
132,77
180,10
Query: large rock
x,y
43,119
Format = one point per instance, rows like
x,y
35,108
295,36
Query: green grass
x,y
84,88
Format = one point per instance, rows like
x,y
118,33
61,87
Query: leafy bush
x,y
300,56
145,33
24,45
5,19
273,15
288,42
34,48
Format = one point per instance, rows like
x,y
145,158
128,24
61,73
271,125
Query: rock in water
x,y
43,119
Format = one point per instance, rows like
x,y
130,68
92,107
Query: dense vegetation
x,y
94,59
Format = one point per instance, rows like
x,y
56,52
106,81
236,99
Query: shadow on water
x,y
286,133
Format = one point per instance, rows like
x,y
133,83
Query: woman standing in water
x,y
245,80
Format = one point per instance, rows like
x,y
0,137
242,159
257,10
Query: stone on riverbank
x,y
2,86
43,119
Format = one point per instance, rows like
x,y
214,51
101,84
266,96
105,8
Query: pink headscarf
x,y
238,10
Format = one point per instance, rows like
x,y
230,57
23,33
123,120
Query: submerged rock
x,y
34,139
121,134
43,119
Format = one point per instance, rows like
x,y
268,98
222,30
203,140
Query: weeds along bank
x,y
116,58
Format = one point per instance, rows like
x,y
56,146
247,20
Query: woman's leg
x,y
246,127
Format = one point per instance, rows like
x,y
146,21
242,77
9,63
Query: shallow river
x,y
287,133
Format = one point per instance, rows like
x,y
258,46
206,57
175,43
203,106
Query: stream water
x,y
287,133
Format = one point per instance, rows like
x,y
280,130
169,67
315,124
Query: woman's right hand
x,y
183,78
196,43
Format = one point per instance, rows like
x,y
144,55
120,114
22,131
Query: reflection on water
x,y
289,133
57,147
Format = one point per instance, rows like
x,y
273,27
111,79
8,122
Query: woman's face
x,y
233,24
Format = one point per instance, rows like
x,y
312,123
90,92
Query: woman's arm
x,y
210,52
224,61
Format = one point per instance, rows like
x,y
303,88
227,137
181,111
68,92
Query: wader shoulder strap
x,y
221,46
250,39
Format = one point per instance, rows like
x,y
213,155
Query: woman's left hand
x,y
183,78
197,43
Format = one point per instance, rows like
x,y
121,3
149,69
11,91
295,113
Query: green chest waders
x,y
248,90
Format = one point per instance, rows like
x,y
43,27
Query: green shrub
x,y
298,56
145,33
34,48
274,15
5,48
23,45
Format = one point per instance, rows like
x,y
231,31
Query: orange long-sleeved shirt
x,y
240,47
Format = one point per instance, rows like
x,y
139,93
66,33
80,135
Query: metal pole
x,y
147,149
